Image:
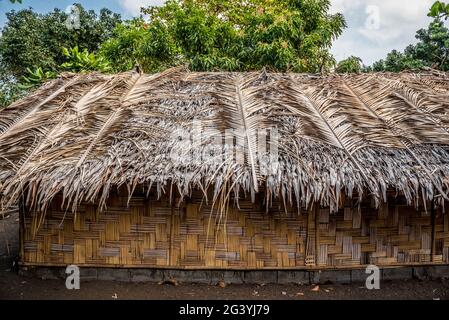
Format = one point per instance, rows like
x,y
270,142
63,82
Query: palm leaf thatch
x,y
324,137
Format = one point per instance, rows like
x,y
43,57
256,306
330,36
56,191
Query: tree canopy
x,y
350,65
229,35
32,47
32,40
214,35
439,10
431,50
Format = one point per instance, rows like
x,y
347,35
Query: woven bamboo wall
x,y
155,233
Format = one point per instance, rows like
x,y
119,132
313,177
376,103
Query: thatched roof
x,y
81,135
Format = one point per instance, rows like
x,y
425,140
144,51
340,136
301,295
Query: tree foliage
x,y
9,89
136,42
31,47
35,78
231,35
82,61
433,46
432,50
397,61
350,65
228,35
439,10
32,40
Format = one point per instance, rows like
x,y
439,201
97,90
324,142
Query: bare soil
x,y
13,286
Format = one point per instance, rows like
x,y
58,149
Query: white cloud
x,y
398,22
342,5
133,6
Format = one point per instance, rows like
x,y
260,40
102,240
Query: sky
x,y
375,27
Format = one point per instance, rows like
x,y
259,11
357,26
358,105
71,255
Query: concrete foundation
x,y
301,277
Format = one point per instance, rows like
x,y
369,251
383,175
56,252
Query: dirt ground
x,y
13,286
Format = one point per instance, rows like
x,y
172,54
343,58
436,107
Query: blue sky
x,y
375,27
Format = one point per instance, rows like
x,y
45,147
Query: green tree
x,y
439,10
36,77
136,42
232,35
31,47
83,61
9,89
32,40
433,46
378,66
397,61
432,50
350,65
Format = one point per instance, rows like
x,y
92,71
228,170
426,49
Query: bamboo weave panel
x,y
157,233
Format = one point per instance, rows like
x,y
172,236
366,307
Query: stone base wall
x,y
212,277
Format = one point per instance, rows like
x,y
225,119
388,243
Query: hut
x,y
230,171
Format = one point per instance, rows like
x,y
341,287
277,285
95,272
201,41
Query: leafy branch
x,y
439,10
